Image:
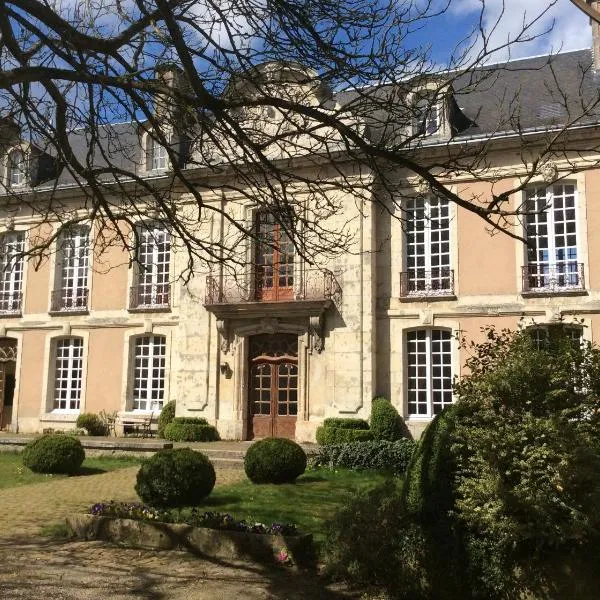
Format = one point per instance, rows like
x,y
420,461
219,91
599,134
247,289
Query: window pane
x,y
429,374
149,384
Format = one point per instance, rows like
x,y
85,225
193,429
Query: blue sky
x,y
570,28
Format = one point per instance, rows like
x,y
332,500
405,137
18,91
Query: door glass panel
x,y
288,385
261,389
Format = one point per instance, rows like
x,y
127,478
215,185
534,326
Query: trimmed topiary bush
x,y
346,423
379,455
183,429
92,423
167,414
274,460
340,435
54,454
171,478
386,423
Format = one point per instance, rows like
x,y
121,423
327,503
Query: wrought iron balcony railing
x,y
427,283
545,278
304,284
150,296
10,303
69,300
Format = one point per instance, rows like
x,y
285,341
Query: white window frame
x,y
546,270
428,335
12,271
148,379
154,265
72,281
428,278
157,158
68,366
18,168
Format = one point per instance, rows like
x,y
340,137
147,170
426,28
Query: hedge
x,y
184,429
346,423
379,455
339,435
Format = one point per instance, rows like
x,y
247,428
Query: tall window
x,y
154,258
156,155
71,291
16,169
428,271
551,229
12,246
274,259
149,373
541,334
429,382
68,374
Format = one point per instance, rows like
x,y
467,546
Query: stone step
x,y
228,463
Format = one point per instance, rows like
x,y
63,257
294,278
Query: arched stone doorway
x,y
8,364
273,385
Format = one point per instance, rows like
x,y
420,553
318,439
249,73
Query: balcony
x,y
69,300
562,278
307,291
152,297
418,284
10,303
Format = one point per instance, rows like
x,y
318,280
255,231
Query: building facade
x,y
273,346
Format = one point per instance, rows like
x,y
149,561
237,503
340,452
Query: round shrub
x,y
92,423
54,454
341,435
167,414
386,423
183,429
172,478
274,460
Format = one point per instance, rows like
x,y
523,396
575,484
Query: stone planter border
x,y
202,541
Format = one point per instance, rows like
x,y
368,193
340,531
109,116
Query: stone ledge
x,y
201,541
97,443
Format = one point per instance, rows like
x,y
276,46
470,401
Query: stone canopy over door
x,y
273,385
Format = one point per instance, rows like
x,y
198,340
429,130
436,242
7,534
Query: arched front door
x,y
8,363
273,386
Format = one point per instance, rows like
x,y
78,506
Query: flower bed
x,y
204,533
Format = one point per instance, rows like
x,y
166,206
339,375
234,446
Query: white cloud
x,y
504,20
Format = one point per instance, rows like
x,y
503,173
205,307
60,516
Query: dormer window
x,y
15,175
428,116
156,155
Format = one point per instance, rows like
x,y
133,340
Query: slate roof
x,y
530,93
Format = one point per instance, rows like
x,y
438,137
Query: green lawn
x,y
308,503
13,473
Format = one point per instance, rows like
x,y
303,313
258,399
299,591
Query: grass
x,y
309,503
13,473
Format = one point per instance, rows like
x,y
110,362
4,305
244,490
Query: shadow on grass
x,y
221,500
309,479
84,471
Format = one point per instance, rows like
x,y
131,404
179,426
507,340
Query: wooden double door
x,y
273,386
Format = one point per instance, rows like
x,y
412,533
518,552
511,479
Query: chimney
x,y
171,76
595,6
